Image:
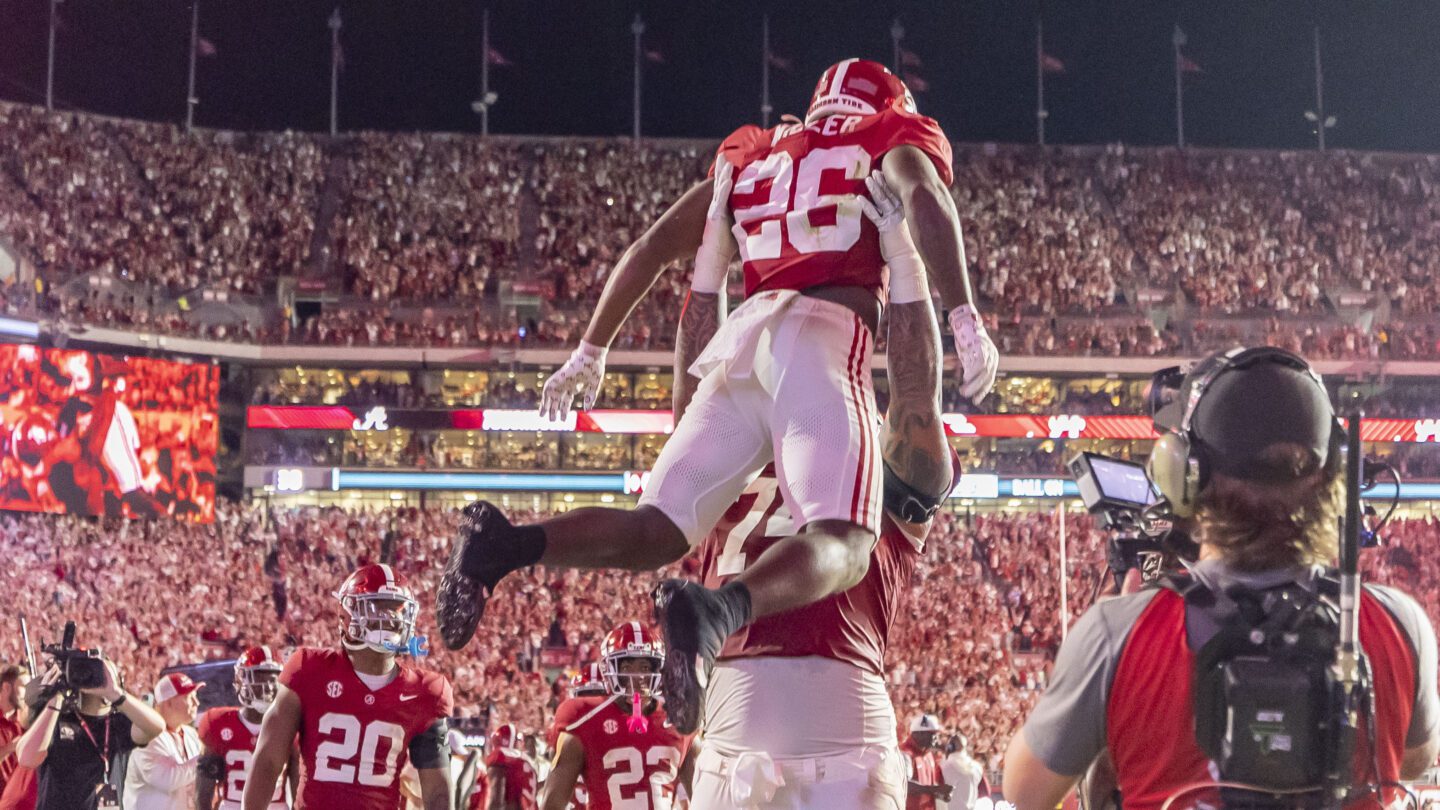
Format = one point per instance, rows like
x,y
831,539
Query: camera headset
x,y
1180,463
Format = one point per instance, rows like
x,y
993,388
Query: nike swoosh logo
x,y
404,698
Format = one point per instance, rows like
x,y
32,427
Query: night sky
x,y
415,65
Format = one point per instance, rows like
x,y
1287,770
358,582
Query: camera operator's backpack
x,y
1262,685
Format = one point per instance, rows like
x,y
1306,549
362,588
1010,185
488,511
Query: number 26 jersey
x,y
796,196
354,742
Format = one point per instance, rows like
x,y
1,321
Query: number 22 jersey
x,y
796,196
623,768
227,735
354,742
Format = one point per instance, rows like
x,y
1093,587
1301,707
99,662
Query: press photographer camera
x,y
1259,675
1140,535
79,669
85,724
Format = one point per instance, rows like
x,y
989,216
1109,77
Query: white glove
x,y
884,209
907,270
580,376
979,359
717,246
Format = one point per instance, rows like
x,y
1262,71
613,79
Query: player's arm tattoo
x,y
699,321
914,435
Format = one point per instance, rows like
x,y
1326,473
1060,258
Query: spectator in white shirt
x,y
161,776
962,773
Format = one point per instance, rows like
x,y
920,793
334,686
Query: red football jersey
x,y
353,741
624,769
796,196
480,796
924,768
851,627
521,784
226,735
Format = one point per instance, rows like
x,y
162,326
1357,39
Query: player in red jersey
x,y
621,744
509,773
229,734
588,682
786,380
360,714
799,701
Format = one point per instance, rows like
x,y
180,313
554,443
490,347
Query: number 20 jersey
x,y
796,196
354,742
623,768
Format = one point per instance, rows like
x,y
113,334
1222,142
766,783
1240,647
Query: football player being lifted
x,y
786,380
230,733
359,713
621,743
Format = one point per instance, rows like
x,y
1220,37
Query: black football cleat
x,y
694,621
460,600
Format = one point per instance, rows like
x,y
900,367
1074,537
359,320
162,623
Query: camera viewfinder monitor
x,y
1111,483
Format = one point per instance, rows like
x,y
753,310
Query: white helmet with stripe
x,y
382,610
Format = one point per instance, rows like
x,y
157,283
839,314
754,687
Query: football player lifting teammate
x,y
621,744
786,380
360,714
230,733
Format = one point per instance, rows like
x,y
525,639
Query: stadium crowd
x,y
266,574
511,239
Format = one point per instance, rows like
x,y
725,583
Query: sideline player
x,y
786,380
360,714
621,744
803,696
230,733
509,773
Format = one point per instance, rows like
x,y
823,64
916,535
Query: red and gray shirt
x,y
1122,682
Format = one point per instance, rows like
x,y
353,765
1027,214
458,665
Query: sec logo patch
x,y
334,689
611,726
369,700
226,734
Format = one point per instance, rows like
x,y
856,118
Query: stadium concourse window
x,y
598,451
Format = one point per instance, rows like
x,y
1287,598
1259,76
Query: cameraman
x,y
79,738
1263,497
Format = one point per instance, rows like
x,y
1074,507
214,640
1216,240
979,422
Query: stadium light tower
x,y
334,24
637,28
487,99
897,33
190,99
1317,116
50,57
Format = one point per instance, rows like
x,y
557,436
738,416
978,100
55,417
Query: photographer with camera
x,y
85,725
1223,682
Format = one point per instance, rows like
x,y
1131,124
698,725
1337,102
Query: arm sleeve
x,y
428,749
1067,728
1425,718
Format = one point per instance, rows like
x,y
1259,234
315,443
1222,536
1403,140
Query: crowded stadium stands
x,y
444,240
153,594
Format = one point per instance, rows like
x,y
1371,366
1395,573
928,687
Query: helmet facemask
x,y
625,673
384,622
257,687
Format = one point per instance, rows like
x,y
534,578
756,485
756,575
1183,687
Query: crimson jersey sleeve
x,y
901,128
209,734
743,145
293,665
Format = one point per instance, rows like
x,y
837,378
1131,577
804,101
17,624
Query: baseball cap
x,y
925,722
176,683
1269,398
